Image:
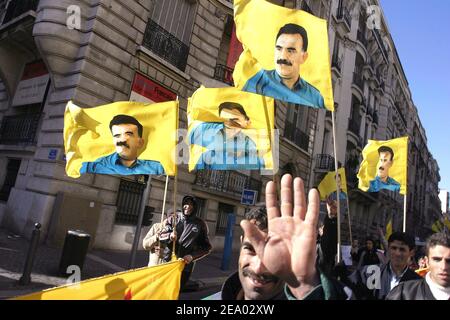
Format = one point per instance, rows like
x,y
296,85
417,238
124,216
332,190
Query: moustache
x,y
264,278
381,168
284,61
122,143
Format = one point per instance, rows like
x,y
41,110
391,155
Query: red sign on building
x,y
146,90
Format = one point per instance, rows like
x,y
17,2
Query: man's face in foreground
x,y
289,55
257,282
439,264
126,140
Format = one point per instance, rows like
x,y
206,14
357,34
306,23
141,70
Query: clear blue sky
x,y
421,32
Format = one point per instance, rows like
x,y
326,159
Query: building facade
x,y
102,51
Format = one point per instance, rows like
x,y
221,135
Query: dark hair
x,y
437,239
371,240
386,149
126,119
259,213
292,28
233,106
402,237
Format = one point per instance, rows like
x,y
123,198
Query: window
x,y
202,211
222,218
169,29
128,201
12,169
295,126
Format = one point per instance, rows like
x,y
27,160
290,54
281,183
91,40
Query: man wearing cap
x,y
190,234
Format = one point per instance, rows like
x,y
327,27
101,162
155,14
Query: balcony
x,y
165,45
336,63
20,129
380,42
17,8
230,182
344,15
224,74
361,38
354,126
358,80
300,138
324,162
375,117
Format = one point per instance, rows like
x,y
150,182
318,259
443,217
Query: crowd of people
x,y
285,256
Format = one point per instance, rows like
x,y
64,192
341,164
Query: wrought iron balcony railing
x,y
336,62
20,129
325,162
297,136
17,8
224,74
361,38
343,13
358,80
230,182
165,45
354,126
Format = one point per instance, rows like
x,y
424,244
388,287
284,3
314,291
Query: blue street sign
x,y
52,154
249,197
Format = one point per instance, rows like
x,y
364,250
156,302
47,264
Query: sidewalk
x,y
13,251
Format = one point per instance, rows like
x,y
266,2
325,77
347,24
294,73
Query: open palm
x,y
289,248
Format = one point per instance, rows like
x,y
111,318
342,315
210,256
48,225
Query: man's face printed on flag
x,y
234,119
127,141
289,55
384,164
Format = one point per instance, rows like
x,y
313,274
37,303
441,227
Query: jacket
x,y
411,290
150,243
362,277
192,235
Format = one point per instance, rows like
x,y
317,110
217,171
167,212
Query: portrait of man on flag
x,y
327,187
229,130
384,166
120,138
287,58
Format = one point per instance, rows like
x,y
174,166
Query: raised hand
x,y
289,248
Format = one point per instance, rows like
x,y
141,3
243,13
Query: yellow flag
x,y
437,226
384,166
161,282
97,140
230,130
388,229
328,184
280,44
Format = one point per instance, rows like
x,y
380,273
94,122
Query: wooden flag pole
x,y
404,212
164,199
337,190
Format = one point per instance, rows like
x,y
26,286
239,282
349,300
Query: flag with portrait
x,y
328,184
92,144
384,166
272,54
230,130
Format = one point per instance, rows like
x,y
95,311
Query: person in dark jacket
x,y
190,234
328,240
436,284
374,282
